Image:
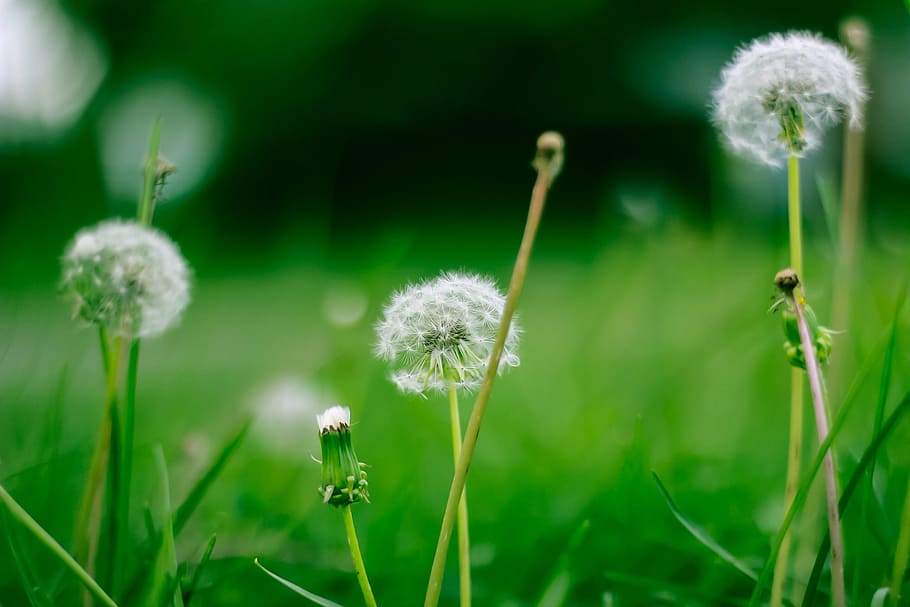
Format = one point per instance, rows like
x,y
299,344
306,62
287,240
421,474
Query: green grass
x,y
667,332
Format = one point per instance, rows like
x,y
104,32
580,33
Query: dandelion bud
x,y
550,146
780,93
443,331
343,479
125,277
787,281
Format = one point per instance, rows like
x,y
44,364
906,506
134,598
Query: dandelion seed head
x,y
443,330
334,418
126,278
796,79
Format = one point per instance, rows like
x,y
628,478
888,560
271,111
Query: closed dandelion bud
x,y
125,277
781,92
343,478
787,281
442,331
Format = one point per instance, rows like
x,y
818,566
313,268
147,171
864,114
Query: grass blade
x,y
554,595
197,575
163,587
865,461
304,593
19,513
699,534
24,566
189,505
878,599
883,393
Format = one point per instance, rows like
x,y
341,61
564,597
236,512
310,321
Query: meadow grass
x,y
571,440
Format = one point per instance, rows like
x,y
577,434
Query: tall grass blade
x,y
197,575
315,598
189,505
163,583
883,393
699,534
865,461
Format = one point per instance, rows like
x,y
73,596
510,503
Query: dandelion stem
x,y
795,215
357,557
19,513
548,164
464,540
795,448
127,431
813,370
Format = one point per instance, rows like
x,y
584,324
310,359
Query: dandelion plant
x,y
439,336
344,482
130,282
808,345
775,100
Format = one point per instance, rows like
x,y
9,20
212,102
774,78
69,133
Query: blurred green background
x,y
329,153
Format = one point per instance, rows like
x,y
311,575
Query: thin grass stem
x,y
19,513
464,541
548,164
357,557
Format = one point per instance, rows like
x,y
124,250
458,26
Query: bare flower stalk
x,y
548,163
855,34
813,370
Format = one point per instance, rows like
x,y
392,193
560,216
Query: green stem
x,y
901,553
795,217
127,431
359,567
464,541
51,544
546,173
114,457
821,420
795,448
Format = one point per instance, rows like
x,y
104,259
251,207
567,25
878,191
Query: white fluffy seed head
x,y
443,330
781,76
334,418
125,277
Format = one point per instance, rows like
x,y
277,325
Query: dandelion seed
x,y
781,92
443,330
126,278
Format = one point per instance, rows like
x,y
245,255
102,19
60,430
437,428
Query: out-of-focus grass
x,y
668,330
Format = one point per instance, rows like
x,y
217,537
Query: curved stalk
x,y
548,164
